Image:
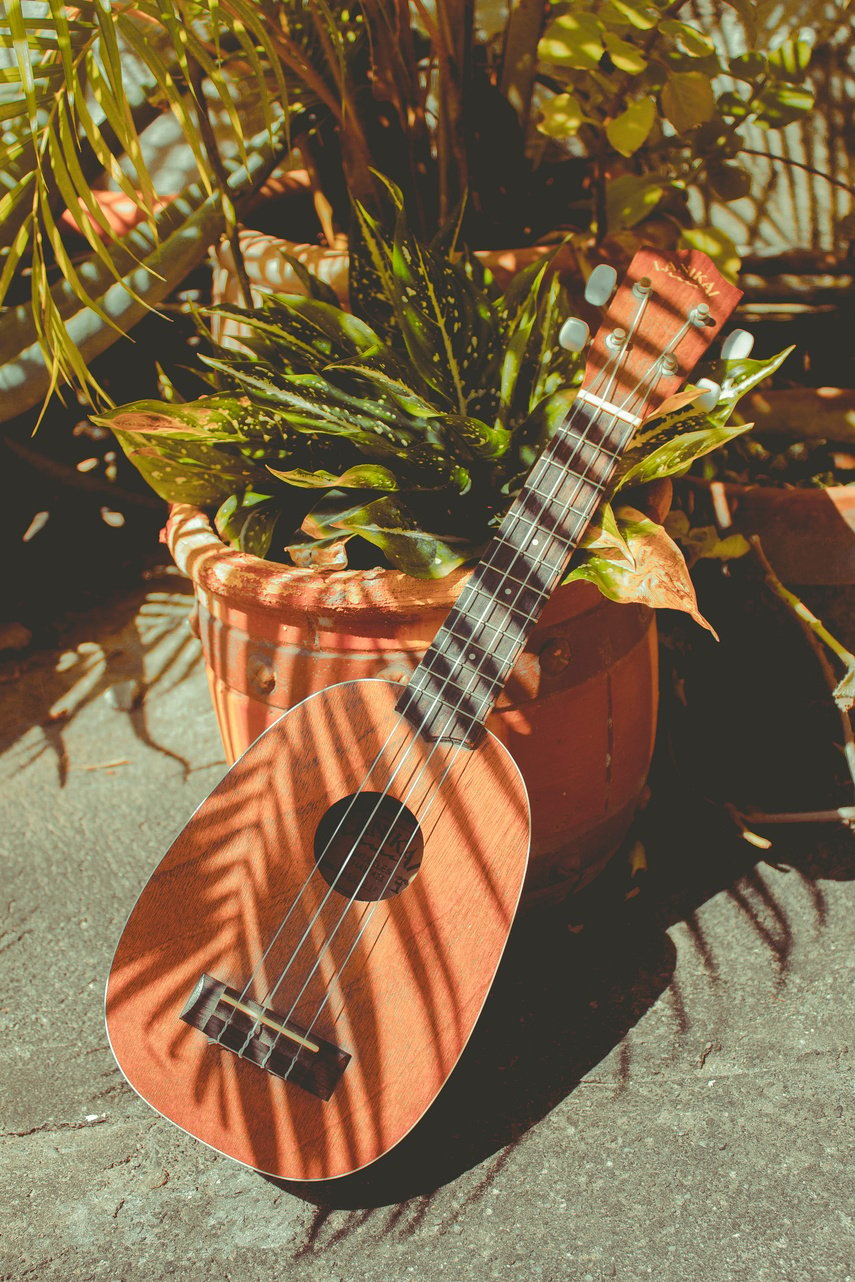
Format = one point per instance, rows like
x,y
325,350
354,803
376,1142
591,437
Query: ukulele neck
x,y
457,683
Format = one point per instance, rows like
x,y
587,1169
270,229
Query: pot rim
x,y
250,581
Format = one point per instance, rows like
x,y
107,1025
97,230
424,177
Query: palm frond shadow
x,y
136,646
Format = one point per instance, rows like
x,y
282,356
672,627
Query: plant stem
x,y
798,164
798,607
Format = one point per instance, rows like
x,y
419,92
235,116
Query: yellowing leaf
x,y
658,575
716,245
628,131
562,116
573,40
687,99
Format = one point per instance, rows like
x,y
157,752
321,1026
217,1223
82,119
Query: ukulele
x,y
305,966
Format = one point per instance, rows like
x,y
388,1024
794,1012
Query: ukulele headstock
x,y
665,313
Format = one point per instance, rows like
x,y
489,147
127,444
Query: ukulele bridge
x,y
263,1037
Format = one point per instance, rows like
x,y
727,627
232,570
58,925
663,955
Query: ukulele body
x,y
383,932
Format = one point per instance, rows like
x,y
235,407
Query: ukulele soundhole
x,y
369,846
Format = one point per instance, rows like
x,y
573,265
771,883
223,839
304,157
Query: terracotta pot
x,y
807,534
578,713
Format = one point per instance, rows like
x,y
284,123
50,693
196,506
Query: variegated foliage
x,y
400,432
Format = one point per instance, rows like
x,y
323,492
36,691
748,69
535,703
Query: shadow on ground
x,y
122,651
577,977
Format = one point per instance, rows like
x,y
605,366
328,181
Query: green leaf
x,y
717,245
628,131
604,536
188,453
792,58
364,476
781,104
729,181
630,198
448,327
371,283
703,542
687,99
390,525
299,334
573,40
471,438
562,116
736,377
640,15
690,40
625,56
675,456
748,67
246,521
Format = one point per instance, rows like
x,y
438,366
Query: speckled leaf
x,y
300,335
392,380
447,325
311,404
389,525
371,286
470,438
737,377
246,521
676,455
364,476
658,575
190,453
535,365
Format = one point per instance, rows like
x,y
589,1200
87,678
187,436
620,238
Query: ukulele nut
x,y
555,656
262,676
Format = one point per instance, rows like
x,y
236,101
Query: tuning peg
x,y
574,334
711,395
737,345
600,284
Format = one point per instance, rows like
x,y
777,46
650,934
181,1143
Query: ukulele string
x,y
608,376
436,791
652,378
422,817
271,992
348,811
610,370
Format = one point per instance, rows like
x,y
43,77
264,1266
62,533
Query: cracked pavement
x,y
660,1086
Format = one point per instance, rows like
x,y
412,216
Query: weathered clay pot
x,y
578,713
808,535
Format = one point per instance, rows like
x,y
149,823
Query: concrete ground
x,y
660,1085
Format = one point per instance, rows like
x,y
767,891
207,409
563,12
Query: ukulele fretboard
x,y
456,685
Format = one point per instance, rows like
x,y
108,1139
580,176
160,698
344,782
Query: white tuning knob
x,y
574,334
737,345
600,284
711,396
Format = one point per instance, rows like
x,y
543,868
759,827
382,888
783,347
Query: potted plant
x,y
350,464
619,122
791,484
